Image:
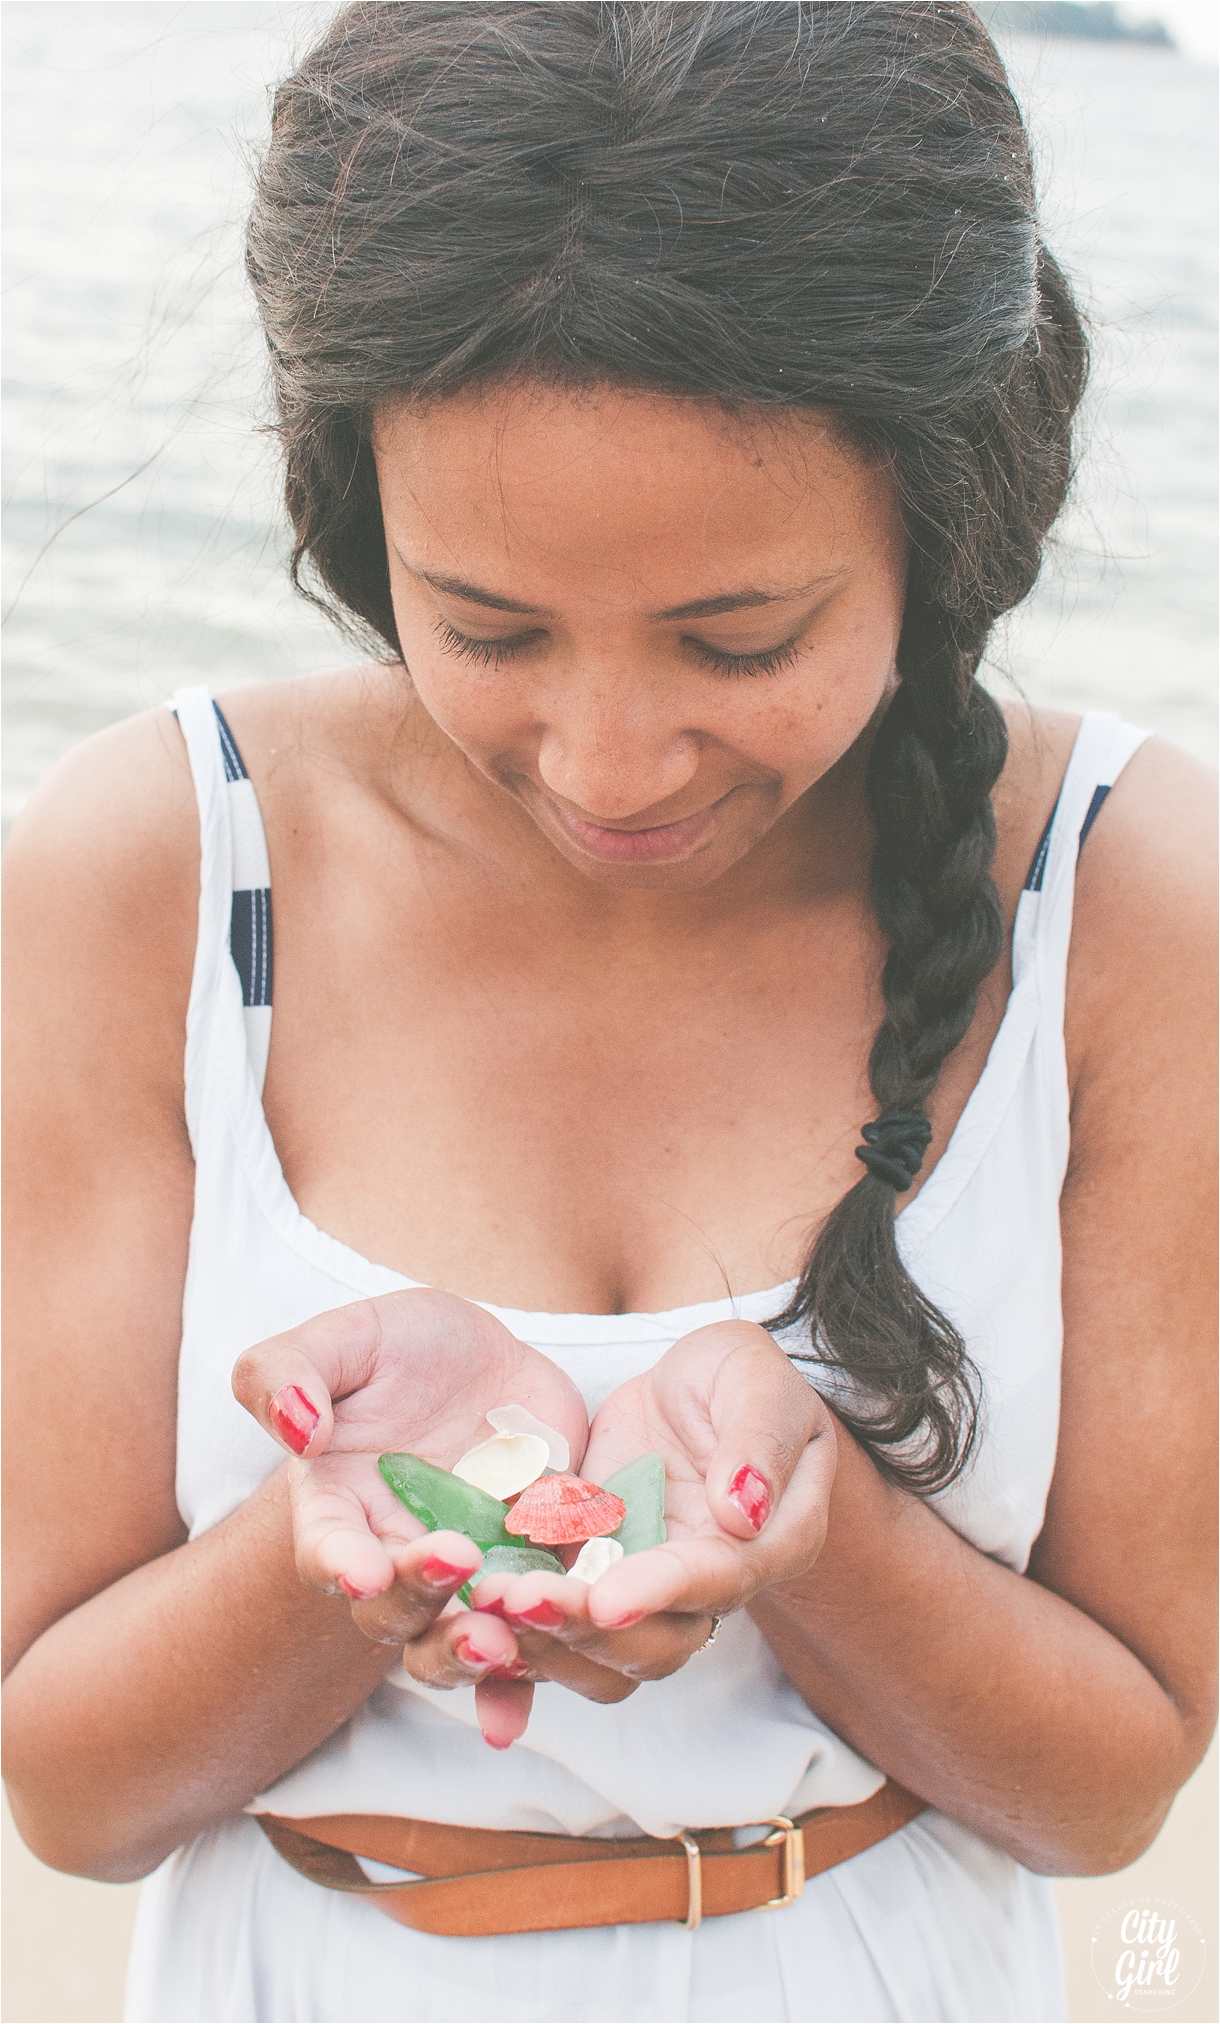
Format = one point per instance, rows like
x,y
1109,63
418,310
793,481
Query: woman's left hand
x,y
749,1452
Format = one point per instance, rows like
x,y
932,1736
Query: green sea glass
x,y
641,1485
444,1502
511,1560
517,1560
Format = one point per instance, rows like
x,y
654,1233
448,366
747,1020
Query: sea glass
x,y
516,1560
444,1503
641,1485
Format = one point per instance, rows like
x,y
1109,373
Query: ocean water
x,y
144,542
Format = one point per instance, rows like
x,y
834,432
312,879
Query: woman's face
x,y
655,626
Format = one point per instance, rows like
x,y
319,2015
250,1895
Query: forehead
x,y
548,481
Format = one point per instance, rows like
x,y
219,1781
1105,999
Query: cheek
x,y
476,707
804,723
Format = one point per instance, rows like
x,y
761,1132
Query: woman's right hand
x,y
413,1372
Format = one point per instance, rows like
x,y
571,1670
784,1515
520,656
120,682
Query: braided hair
x,y
791,204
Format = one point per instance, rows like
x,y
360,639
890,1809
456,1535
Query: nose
x,y
612,752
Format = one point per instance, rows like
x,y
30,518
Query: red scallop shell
x,y
559,1510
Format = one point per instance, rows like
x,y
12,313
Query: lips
x,y
638,846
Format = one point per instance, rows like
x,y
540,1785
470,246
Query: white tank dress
x,y
932,1923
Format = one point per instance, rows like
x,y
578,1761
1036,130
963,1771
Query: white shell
x,y
503,1465
515,1420
596,1556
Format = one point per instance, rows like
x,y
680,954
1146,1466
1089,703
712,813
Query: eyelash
x,y
494,653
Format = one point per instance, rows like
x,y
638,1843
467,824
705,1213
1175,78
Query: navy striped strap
x,y
250,937
1037,870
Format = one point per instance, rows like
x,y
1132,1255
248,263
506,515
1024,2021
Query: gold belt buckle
x,y
793,1839
694,1883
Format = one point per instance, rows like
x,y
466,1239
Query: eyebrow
x,y
700,607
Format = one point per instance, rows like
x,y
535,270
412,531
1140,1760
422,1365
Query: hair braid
x,y
929,790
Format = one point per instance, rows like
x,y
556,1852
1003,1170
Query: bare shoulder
x,y
1147,879
1141,975
118,808
101,901
1158,823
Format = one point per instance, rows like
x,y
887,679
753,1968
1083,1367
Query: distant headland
x,y
1101,22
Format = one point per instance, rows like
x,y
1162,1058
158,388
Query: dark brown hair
x,y
750,201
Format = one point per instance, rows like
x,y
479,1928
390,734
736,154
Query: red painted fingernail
x,y
438,1573
752,1495
357,1594
543,1616
625,1622
495,1607
470,1655
493,1745
294,1417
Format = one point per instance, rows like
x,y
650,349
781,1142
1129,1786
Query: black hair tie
x,y
895,1146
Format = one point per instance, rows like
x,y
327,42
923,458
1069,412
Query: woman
x,y
678,395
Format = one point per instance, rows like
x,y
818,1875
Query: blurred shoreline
x,y
143,533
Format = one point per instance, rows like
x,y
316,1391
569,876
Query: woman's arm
x,y
1058,1714
153,1687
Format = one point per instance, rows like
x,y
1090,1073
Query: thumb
x,y
288,1381
285,1391
764,1417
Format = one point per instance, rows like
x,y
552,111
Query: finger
x,y
550,1607
548,1658
503,1707
351,1537
558,1638
460,1648
691,1579
710,1573
764,1416
288,1382
428,1573
336,1550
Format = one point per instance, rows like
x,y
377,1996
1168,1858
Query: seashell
x,y
593,1560
559,1510
515,1420
504,1464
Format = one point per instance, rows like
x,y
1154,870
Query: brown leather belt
x,y
475,1881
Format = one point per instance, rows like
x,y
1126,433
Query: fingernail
x,y
358,1594
437,1573
493,1745
543,1616
294,1417
493,1608
469,1654
625,1622
752,1495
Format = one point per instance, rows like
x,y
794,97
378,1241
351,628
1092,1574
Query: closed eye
x,y
495,652
484,653
768,663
